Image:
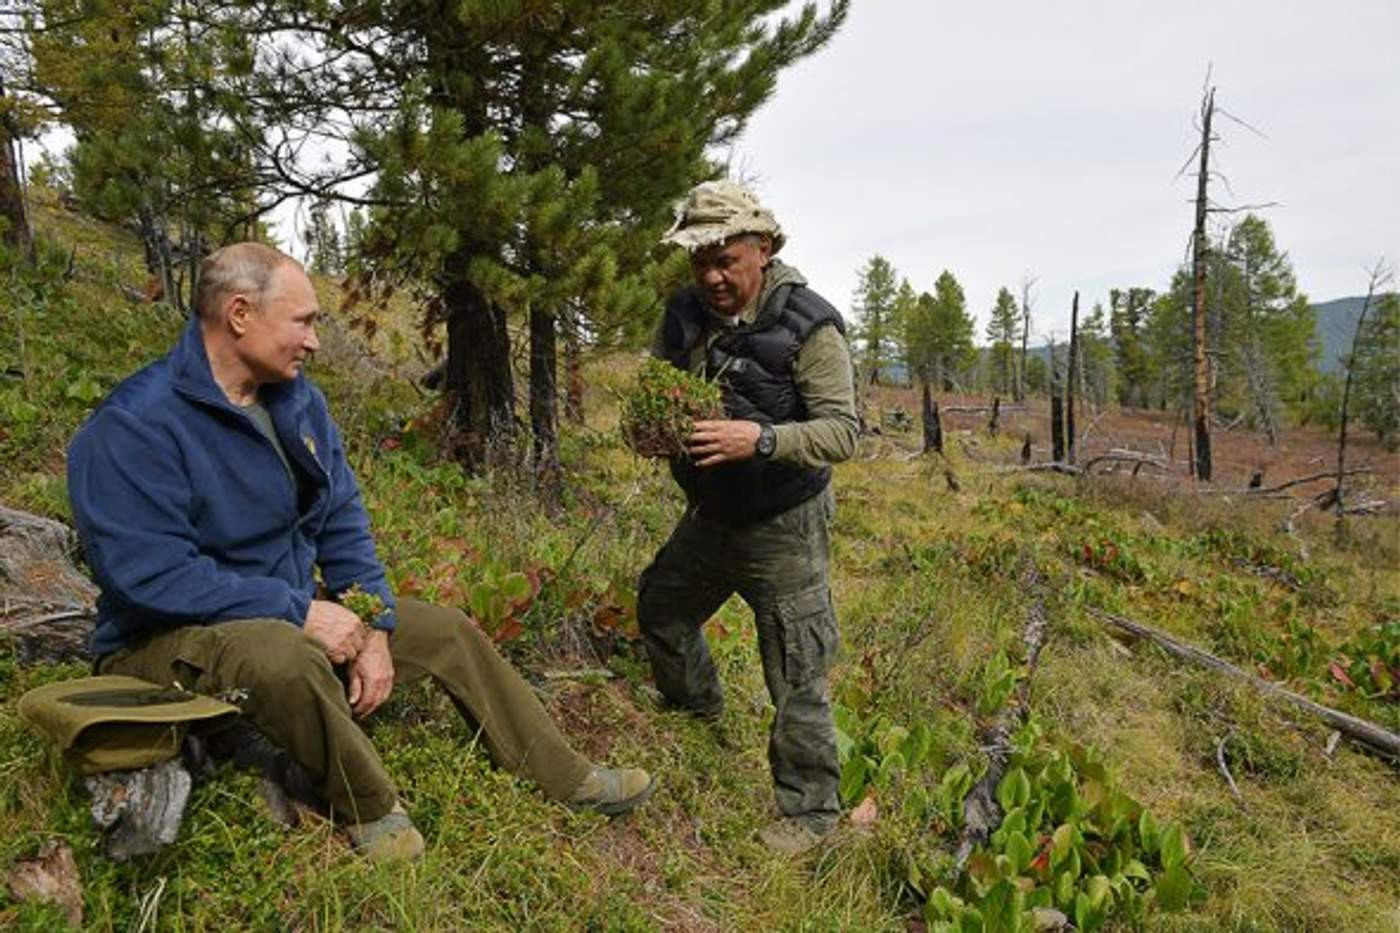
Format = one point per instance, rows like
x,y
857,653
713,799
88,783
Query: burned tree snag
x,y
1199,253
1057,428
1071,383
995,423
933,425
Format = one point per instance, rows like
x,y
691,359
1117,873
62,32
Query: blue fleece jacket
x,y
187,515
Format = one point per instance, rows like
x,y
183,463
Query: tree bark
x,y
573,381
544,421
1199,251
479,381
1057,428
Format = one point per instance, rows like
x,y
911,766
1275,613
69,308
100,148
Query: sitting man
x,y
207,490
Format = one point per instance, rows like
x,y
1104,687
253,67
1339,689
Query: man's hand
x,y
714,442
371,674
339,631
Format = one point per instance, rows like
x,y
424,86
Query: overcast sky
x,y
1000,139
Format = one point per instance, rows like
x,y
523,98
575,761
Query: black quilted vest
x,y
753,364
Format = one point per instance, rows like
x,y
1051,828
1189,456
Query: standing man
x,y
209,489
758,489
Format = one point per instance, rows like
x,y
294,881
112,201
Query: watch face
x,y
767,440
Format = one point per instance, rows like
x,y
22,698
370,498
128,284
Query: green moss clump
x,y
659,413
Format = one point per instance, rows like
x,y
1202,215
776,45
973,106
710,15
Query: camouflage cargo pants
x,y
779,567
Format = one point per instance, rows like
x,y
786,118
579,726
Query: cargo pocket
x,y
810,638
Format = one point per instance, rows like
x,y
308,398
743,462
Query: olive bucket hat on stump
x,y
115,723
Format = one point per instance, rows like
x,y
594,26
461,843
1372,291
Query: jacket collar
x,y
194,378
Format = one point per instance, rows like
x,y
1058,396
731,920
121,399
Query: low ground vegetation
x,y
1119,809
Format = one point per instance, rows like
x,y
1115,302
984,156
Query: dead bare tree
x,y
1027,282
1071,380
1380,278
1199,253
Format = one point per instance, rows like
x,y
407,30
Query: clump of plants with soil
x,y
660,411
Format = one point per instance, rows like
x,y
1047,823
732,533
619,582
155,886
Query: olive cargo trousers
x,y
779,566
296,698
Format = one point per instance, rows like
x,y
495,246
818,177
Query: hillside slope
x,y
930,586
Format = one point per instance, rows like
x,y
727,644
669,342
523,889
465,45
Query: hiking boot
x,y
391,838
613,791
791,836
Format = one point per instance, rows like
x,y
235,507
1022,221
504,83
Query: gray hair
x,y
239,268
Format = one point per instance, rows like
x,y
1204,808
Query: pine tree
x,y
324,255
1096,351
1376,372
525,159
1128,318
938,334
1002,332
1268,330
151,90
877,291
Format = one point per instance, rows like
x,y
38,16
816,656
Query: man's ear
x,y
237,309
765,249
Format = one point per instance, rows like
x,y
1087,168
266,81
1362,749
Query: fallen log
x,y
981,812
1369,734
1123,455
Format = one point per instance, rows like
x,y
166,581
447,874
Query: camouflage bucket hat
x,y
714,211
115,723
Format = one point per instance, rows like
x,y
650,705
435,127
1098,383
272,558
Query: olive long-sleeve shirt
x,y
822,373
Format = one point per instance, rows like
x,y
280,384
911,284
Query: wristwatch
x,y
767,441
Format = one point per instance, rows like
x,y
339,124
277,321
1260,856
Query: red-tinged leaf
x,y
509,630
1041,863
1339,674
390,443
1264,672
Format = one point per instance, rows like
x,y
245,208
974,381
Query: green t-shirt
x,y
262,420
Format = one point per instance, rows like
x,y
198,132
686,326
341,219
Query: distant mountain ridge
x,y
1336,325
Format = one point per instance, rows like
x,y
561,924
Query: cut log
x,y
1369,734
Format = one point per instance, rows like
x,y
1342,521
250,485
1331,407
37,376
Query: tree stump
x,y
47,605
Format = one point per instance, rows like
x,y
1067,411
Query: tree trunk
x,y
1199,250
479,381
994,424
933,425
544,422
13,217
1057,427
1071,379
573,382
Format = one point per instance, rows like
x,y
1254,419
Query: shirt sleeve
x,y
132,503
826,383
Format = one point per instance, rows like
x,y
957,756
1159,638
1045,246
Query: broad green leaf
x,y
1174,888
1173,846
1148,833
